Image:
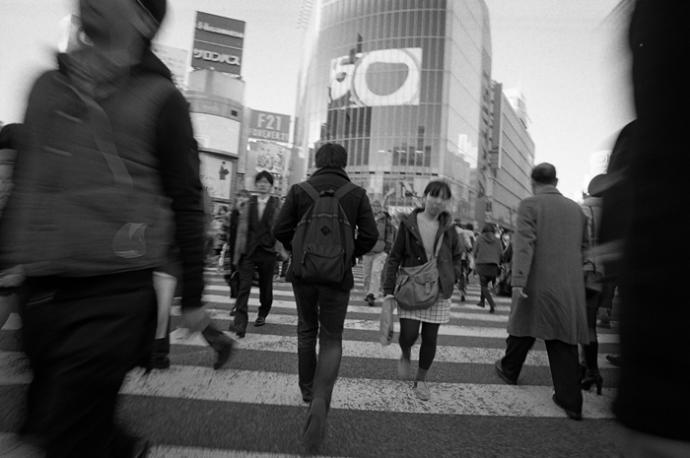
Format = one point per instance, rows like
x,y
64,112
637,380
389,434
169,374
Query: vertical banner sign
x,y
218,43
269,126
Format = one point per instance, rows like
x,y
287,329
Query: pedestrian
x,y
548,300
595,292
504,287
322,302
487,258
108,174
465,237
652,400
253,249
374,261
426,234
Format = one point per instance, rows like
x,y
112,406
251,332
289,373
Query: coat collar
x,y
331,170
547,189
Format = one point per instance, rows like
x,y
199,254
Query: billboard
x,y
271,157
218,43
376,78
265,125
216,175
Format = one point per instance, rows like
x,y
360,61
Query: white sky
x,y
557,52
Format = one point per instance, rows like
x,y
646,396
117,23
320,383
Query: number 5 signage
x,y
269,126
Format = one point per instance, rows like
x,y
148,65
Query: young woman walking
x,y
415,244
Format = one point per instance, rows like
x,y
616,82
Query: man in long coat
x,y
548,294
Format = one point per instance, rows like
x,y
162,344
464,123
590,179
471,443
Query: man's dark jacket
x,y
355,204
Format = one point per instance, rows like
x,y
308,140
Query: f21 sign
x,y
376,78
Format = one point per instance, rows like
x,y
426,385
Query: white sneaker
x,y
421,390
404,368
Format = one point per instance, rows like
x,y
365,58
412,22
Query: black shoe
x,y
307,398
499,370
570,413
614,359
370,299
491,308
315,427
232,312
592,379
480,304
462,298
260,321
160,362
221,343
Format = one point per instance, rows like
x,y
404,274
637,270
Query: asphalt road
x,y
253,407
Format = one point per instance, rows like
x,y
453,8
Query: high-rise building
x,y
404,86
505,169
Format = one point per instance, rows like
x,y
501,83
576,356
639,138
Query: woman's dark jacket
x,y
488,249
408,250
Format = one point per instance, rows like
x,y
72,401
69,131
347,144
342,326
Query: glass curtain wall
x,y
398,84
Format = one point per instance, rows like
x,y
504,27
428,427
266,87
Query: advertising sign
x,y
269,126
218,43
216,175
376,78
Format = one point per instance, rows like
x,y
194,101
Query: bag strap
x,y
438,246
310,190
344,189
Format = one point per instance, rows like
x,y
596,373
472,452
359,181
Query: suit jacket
x,y
259,231
547,263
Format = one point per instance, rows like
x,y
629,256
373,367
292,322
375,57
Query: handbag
x,y
593,278
416,287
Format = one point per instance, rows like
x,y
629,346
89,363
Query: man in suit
x,y
548,293
252,247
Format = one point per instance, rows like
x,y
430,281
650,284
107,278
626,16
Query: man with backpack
x,y
107,182
317,224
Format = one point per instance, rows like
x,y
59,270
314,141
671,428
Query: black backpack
x,y
323,243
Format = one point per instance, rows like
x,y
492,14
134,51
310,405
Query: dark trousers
x,y
264,263
82,335
409,331
321,307
563,360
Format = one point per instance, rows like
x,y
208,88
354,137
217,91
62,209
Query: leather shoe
x,y
260,321
499,370
570,413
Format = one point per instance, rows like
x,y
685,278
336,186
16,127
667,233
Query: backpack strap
x,y
438,246
344,189
309,189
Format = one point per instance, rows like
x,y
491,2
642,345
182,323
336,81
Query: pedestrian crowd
x,y
107,224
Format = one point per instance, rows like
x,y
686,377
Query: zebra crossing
x,y
253,407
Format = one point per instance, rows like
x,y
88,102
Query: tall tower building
x,y
405,87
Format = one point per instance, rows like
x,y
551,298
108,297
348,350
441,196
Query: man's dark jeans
x,y
324,307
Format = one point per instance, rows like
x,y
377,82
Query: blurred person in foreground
x,y
548,300
321,303
653,399
108,175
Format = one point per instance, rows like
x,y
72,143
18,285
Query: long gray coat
x,y
547,263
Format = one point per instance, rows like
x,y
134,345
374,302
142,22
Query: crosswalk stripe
x,y
277,388
372,350
445,329
199,452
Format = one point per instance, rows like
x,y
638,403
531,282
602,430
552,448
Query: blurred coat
x,y
547,263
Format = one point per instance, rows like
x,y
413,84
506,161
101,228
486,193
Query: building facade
x,y
216,105
505,170
404,86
